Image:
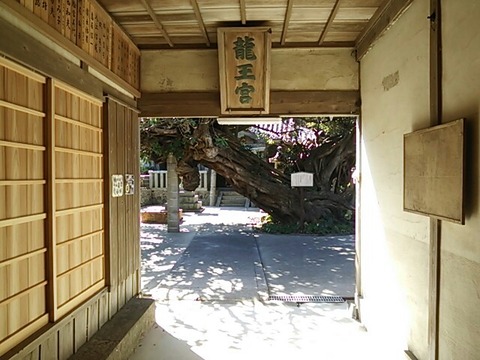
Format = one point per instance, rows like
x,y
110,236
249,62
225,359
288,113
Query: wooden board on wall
x,y
434,171
244,65
23,279
123,211
52,199
87,25
79,232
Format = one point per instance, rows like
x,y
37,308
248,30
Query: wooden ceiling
x,y
177,24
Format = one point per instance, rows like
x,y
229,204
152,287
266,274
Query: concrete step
x,y
119,337
231,199
193,206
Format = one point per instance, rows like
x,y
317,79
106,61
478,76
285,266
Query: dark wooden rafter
x,y
199,17
329,22
288,14
243,12
380,22
156,21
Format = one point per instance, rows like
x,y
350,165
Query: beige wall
x,y
394,244
297,69
460,292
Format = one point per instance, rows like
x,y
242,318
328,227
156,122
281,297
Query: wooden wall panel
x,y
55,211
23,279
78,158
123,212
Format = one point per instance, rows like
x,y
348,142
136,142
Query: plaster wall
x,y
393,243
460,267
291,69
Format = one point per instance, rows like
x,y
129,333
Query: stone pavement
x,y
212,282
223,259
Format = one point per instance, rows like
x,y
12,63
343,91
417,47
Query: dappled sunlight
x,y
212,281
322,266
251,329
215,266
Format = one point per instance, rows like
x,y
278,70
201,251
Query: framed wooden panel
x,y
23,279
244,65
78,201
87,25
434,170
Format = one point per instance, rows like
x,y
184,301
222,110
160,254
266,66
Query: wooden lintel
x,y
18,10
199,17
289,45
288,14
379,23
24,49
329,22
207,104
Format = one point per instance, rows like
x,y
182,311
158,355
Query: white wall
x,y
394,244
460,272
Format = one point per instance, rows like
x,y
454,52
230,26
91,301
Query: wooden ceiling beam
x,y
156,21
243,12
199,17
288,14
207,104
381,21
329,22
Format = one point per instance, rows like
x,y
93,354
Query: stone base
x,y
158,217
119,337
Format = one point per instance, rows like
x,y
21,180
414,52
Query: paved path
x,y
218,259
308,265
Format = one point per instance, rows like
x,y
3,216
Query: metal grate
x,y
306,298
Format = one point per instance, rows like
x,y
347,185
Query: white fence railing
x,y
158,180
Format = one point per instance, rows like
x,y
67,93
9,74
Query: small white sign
x,y
301,179
129,184
117,185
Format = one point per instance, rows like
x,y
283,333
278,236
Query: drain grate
x,y
306,298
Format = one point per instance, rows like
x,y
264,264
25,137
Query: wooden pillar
x,y
173,220
213,187
435,224
358,213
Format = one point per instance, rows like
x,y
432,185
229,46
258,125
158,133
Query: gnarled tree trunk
x,y
259,181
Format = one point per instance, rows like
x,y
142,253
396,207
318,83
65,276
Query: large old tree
x,y
322,146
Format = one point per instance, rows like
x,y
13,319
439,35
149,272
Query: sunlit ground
x,y
239,329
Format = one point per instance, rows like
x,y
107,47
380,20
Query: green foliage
x,y
153,149
220,141
328,226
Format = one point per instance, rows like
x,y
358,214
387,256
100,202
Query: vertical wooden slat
x,y
92,319
49,348
120,149
81,334
65,341
103,305
51,200
436,107
112,217
34,355
136,151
